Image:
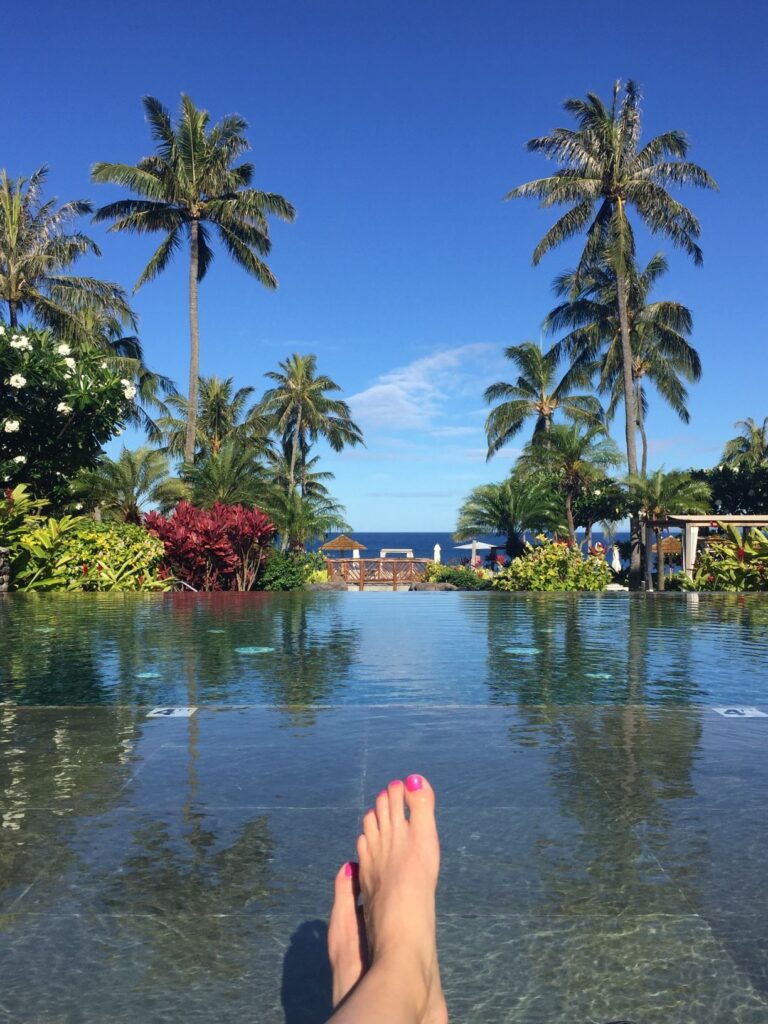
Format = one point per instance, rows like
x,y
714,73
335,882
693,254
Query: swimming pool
x,y
602,821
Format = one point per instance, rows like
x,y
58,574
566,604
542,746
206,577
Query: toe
x,y
420,798
346,887
396,806
371,829
382,811
363,852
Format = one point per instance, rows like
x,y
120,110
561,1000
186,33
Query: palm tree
x,y
300,519
311,482
223,416
508,509
124,486
603,171
661,352
535,393
192,182
232,477
749,449
575,457
300,411
664,494
36,251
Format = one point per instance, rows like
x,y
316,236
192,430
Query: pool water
x,y
603,823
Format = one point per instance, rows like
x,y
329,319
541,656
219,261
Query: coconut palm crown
x,y
749,449
188,188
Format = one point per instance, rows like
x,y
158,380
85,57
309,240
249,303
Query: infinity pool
x,y
603,822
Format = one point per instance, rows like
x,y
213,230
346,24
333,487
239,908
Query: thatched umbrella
x,y
344,543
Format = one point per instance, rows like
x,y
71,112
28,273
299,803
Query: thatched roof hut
x,y
343,543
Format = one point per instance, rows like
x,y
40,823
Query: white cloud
x,y
413,396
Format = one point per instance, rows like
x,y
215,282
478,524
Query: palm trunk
x,y
194,345
643,436
588,535
294,450
12,313
629,423
569,517
659,562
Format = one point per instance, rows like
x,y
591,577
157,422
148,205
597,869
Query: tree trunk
x,y
629,422
12,313
588,535
294,450
569,517
659,562
194,345
643,436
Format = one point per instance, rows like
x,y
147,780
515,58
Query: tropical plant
x,y
602,501
221,548
736,490
508,509
286,570
36,251
461,577
733,563
57,411
749,449
125,485
223,416
311,480
575,457
19,513
190,185
299,520
299,409
554,565
661,352
603,172
662,494
535,394
231,477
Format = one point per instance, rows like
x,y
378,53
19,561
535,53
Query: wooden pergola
x,y
690,525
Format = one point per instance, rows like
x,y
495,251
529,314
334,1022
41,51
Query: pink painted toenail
x,y
383,792
413,782
349,869
395,782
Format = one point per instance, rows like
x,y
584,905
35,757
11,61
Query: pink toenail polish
x,y
383,792
413,782
349,870
395,782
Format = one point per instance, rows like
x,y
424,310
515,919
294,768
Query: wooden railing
x,y
376,571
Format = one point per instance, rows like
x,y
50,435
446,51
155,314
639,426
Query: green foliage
x,y
76,553
460,576
737,489
602,501
19,513
124,486
287,570
554,565
57,410
731,563
749,449
662,494
509,509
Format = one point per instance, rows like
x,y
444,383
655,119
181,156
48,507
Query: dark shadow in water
x,y
306,989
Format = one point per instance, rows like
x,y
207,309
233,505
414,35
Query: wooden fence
x,y
391,572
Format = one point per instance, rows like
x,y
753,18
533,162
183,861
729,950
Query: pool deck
x,y
600,863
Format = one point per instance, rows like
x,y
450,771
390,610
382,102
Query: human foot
x,y
399,865
347,942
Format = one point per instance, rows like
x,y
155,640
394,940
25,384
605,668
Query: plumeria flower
x,y
11,426
103,366
21,459
17,381
70,362
2,330
63,350
22,344
128,389
63,408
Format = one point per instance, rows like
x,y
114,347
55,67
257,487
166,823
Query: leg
x,y
399,864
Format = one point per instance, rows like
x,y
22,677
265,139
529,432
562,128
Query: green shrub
x,y
731,563
554,565
460,576
286,570
76,553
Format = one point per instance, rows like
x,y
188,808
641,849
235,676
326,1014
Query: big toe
x,y
420,798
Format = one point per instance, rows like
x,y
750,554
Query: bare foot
x,y
347,942
399,865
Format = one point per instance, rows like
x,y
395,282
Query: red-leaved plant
x,y
221,548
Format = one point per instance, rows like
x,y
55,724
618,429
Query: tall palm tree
x,y
192,182
508,509
603,172
535,394
300,411
36,253
575,457
749,449
300,519
126,485
231,476
223,416
664,494
311,481
661,352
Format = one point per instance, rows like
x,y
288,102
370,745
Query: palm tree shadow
x,y
305,992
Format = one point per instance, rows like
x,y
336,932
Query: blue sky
x,y
396,129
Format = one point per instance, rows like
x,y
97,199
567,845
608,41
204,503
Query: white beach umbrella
x,y
616,560
474,546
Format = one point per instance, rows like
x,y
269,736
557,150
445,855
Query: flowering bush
x,y
221,548
76,553
554,565
56,411
460,576
731,563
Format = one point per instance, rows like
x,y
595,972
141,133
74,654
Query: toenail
x,y
349,869
395,782
413,782
383,792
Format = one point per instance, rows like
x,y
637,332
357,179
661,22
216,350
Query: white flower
x,y
70,362
17,381
128,389
21,459
20,343
63,350
2,330
103,366
11,426
78,506
63,408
